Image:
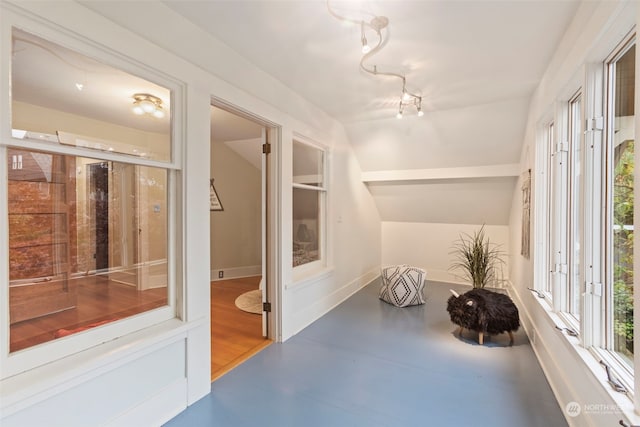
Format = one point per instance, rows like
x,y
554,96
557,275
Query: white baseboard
x,y
310,314
236,272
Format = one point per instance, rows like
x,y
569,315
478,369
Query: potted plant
x,y
478,258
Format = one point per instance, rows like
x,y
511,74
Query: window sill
x,y
591,362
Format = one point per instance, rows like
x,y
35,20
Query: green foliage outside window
x,y
623,250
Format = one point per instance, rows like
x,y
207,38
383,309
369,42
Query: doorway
x,y
99,189
240,284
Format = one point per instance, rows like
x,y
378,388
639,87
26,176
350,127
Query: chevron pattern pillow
x,y
402,285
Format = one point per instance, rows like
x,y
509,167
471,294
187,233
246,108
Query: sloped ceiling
x,y
476,64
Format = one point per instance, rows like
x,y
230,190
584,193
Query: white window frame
x,y
574,137
304,270
554,215
605,350
542,206
23,360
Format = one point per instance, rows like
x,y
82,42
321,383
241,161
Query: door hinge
x,y
596,123
560,268
266,306
266,148
594,289
562,147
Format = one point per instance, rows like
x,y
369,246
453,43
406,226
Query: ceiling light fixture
x,y
363,39
377,24
144,103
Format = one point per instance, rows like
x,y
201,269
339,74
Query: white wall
x,y
206,68
596,29
429,246
236,232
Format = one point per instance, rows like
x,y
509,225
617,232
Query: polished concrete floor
x,y
367,363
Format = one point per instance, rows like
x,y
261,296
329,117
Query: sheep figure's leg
x,y
510,338
481,338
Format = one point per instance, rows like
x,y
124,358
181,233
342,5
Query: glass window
x,y
309,195
87,243
550,149
88,234
81,102
621,137
576,206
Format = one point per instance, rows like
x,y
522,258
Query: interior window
x,y
88,234
308,203
81,102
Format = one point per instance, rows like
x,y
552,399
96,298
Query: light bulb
x,y
366,49
147,106
159,113
420,113
137,109
405,96
399,115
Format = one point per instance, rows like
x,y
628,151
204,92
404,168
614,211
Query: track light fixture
x,y
363,39
144,103
377,24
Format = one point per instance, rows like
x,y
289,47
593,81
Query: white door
x,y
265,196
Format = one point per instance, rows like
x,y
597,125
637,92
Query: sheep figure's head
x,y
463,310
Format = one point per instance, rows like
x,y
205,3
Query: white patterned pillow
x,y
402,285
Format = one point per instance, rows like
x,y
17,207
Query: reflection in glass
x,y
308,196
623,136
87,243
64,97
307,165
306,226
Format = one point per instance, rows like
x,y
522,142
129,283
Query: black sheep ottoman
x,y
485,312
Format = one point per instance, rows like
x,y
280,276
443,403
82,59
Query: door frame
x,y
272,234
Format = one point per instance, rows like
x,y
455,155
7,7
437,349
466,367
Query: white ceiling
x,y
455,53
476,64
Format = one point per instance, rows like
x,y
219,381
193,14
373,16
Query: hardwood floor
x,y
235,335
99,300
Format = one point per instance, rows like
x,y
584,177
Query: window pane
x,y
306,226
576,207
551,194
308,164
64,97
87,243
623,136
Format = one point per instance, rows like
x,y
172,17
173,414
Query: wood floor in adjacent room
x,y
235,335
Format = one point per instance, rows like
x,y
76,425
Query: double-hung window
x,y
309,204
90,201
